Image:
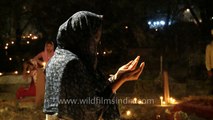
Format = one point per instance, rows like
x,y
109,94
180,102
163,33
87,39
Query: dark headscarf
x,y
77,35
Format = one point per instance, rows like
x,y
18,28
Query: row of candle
x,y
170,101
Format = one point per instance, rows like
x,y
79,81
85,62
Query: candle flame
x,y
128,113
44,64
172,100
140,102
135,100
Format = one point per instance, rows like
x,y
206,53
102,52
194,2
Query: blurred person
x,y
43,57
209,63
30,71
37,73
72,73
209,57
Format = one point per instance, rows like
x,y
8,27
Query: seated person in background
x,y
36,87
33,69
42,59
30,70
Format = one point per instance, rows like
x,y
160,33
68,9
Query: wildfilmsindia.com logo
x,y
101,100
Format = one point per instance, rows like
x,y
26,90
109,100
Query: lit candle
x,y
28,71
157,117
135,100
44,65
34,37
172,100
128,113
140,102
1,74
161,100
163,103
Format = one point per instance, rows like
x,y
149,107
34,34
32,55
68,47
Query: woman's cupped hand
x,y
130,71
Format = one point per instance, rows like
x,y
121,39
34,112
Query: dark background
x,y
126,32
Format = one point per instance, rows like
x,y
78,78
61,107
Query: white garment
x,y
209,57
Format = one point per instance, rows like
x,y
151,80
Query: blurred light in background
x,y
187,10
16,72
157,24
128,113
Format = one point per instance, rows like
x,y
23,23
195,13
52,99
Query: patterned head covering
x,y
77,35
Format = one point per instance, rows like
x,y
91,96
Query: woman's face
x,y
49,47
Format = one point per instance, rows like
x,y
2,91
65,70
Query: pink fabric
x,y
46,56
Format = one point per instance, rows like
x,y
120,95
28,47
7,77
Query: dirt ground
x,y
12,110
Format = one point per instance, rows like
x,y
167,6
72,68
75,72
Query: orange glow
x,y
44,65
128,112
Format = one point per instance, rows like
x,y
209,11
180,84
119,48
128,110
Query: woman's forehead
x,y
48,44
